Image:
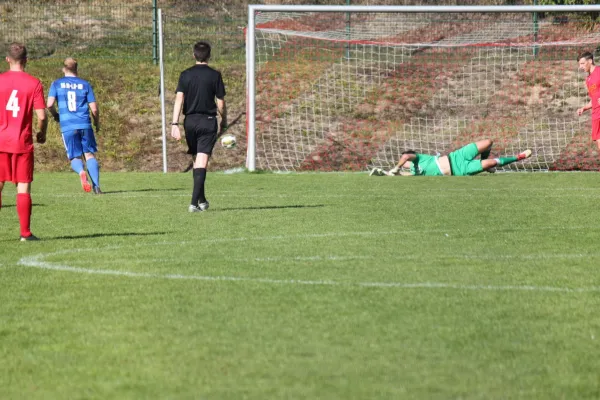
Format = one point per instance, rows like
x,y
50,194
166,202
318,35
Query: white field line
x,y
249,260
331,258
38,261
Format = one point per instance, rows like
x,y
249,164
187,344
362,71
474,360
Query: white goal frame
x,y
251,40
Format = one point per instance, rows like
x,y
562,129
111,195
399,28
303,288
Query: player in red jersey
x,y
20,95
586,64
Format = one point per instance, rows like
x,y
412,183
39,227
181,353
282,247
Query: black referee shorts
x,y
200,133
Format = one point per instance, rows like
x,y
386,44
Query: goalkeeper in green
x,y
460,162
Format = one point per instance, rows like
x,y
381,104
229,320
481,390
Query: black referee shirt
x,y
200,85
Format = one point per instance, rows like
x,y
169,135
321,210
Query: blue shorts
x,y
78,142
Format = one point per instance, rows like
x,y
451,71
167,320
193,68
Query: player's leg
x,y
464,163
596,132
194,130
74,149
205,143
474,167
24,208
23,176
77,166
199,172
484,147
489,164
5,172
192,143
502,161
88,144
94,170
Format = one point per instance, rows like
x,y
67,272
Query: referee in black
x,y
198,88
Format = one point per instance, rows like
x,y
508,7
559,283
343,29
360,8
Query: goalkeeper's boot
x,y
84,182
30,238
523,155
203,206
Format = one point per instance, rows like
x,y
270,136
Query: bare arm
x,y
583,109
95,115
42,125
222,109
175,133
50,105
403,160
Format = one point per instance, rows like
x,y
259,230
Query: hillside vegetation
x,y
113,42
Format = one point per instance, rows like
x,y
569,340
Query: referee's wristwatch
x,y
174,123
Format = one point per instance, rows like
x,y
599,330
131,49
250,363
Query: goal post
x,y
347,88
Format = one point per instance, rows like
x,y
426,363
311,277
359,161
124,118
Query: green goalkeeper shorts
x,y
462,161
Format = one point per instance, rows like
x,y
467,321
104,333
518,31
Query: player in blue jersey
x,y
75,98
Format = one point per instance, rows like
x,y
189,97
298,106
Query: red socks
x,y
24,212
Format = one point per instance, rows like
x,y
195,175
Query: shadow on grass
x,y
102,235
90,236
13,206
270,207
141,190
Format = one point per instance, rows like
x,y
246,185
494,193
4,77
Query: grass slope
x,y
303,286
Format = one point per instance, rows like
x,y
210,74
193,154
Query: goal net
x,y
347,91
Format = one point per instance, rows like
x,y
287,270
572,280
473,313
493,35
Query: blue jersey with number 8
x,y
73,96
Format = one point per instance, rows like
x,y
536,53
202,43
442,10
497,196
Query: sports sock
x,y
198,192
505,160
94,170
77,165
24,212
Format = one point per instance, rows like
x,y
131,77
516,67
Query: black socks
x,y
198,192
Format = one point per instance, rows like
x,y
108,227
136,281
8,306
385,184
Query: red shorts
x,y
16,168
596,129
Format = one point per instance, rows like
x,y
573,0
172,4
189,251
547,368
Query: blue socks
x,y
92,167
77,165
94,171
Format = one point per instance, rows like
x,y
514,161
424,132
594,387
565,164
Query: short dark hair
x,y
409,152
587,55
202,51
17,52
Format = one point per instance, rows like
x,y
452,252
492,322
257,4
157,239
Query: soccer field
x,y
332,286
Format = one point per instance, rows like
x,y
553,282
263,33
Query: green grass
x,y
303,286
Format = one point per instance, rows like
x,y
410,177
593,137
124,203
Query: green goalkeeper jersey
x,y
426,165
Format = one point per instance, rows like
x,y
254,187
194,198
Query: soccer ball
x,y
228,141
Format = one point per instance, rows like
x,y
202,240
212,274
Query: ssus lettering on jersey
x,y
65,85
